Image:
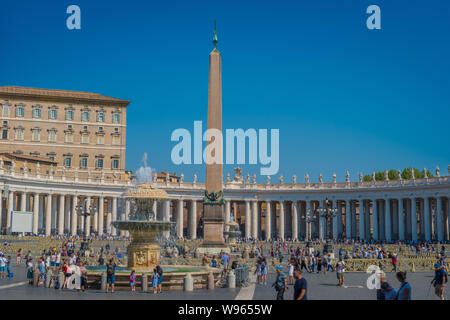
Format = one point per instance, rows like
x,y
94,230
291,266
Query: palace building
x,y
75,129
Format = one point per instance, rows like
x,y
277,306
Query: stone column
x,y
321,221
227,213
375,219
268,220
87,228
101,214
193,219
10,210
413,220
427,204
255,219
166,216
127,215
387,220
48,215
73,224
348,220
109,217
401,221
334,221
180,219
114,215
307,217
23,202
295,221
362,220
62,207
247,220
36,213
95,218
439,220
282,213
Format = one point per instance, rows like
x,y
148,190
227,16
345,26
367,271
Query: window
x,y
116,118
5,134
53,114
69,115
85,116
100,139
5,110
36,135
69,137
115,163
19,134
101,117
20,112
37,113
84,138
52,136
51,156
68,162
83,162
99,163
116,139
5,123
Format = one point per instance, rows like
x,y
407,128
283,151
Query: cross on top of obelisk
x,y
215,35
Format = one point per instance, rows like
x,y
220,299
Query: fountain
x,y
144,251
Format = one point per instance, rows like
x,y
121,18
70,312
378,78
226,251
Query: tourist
x,y
300,285
214,262
280,283
404,292
19,257
83,276
58,259
30,270
440,280
291,272
264,271
8,267
160,278
110,275
225,260
205,260
394,262
41,268
385,292
67,274
2,266
340,268
155,281
133,280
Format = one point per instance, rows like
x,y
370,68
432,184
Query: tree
x,y
367,178
392,174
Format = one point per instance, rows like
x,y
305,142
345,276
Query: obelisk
x,y
213,202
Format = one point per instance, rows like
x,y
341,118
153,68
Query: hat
x,y
279,268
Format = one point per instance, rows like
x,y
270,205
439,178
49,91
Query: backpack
x,y
110,269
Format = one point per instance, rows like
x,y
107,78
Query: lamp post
x,y
5,197
326,213
84,209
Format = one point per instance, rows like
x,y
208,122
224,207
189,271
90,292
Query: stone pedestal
x,y
143,256
213,225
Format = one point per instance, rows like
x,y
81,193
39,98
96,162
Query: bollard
x,y
144,282
188,284
103,282
210,282
231,280
35,279
47,279
61,279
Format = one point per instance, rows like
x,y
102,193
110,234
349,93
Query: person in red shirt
x,y
394,262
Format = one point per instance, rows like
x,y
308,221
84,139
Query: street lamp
x,y
327,212
84,209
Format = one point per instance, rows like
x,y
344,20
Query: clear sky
x,y
344,97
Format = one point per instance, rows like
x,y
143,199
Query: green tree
x,y
367,178
392,174
379,176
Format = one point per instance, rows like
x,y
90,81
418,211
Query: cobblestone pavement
x,y
320,287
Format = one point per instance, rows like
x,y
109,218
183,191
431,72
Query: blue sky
x,y
344,97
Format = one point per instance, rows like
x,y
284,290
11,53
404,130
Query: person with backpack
x,y
159,270
110,275
440,280
404,292
280,283
340,269
300,285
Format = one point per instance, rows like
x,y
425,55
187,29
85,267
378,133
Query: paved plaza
x,y
320,287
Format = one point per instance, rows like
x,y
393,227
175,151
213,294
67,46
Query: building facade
x,y
79,130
